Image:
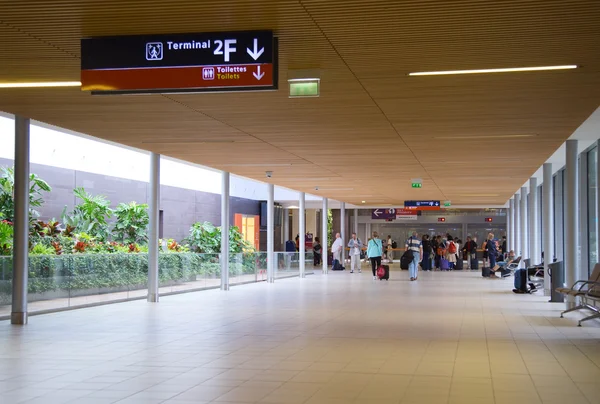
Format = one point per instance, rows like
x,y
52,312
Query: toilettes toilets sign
x,y
222,61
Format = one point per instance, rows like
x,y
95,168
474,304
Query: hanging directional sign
x,y
222,61
422,205
383,213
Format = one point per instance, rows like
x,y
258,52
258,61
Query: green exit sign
x,y
417,185
447,203
304,88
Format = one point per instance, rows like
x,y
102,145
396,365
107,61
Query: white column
x,y
356,222
302,225
18,315
153,212
225,231
270,234
511,224
325,236
547,223
517,231
571,236
523,225
534,226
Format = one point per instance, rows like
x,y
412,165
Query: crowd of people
x,y
439,252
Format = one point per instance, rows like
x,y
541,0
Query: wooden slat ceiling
x,y
373,128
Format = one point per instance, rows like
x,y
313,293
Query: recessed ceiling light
x,y
480,137
364,201
42,84
501,70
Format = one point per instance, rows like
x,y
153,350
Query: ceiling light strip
x,y
501,70
42,84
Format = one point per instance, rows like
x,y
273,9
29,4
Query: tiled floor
x,y
451,338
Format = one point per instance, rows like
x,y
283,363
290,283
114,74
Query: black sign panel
x,y
139,51
220,61
422,204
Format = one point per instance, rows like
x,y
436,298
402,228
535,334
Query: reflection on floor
x,y
340,338
92,297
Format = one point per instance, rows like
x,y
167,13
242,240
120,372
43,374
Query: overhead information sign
x,y
422,205
222,61
383,213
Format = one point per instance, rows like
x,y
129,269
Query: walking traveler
x,y
355,249
414,245
374,253
317,251
336,250
427,249
390,249
492,249
470,250
451,250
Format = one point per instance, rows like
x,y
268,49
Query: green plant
x,y
330,239
132,223
206,238
40,249
89,216
7,193
6,237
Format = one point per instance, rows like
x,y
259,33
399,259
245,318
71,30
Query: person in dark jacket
x,y
470,250
317,252
426,263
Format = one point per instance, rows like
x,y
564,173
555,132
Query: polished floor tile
x,y
451,338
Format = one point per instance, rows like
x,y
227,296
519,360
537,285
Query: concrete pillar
x,y
511,224
225,231
325,236
302,225
582,214
523,225
18,315
356,222
547,222
286,226
517,243
311,221
571,206
271,234
153,212
343,230
534,225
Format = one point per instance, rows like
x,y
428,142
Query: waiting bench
x,y
580,289
592,302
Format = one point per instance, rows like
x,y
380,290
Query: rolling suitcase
x,y
406,259
444,264
474,264
459,264
383,272
520,281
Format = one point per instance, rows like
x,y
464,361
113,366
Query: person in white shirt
x,y
355,247
336,249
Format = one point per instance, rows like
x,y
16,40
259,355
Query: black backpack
x,y
394,244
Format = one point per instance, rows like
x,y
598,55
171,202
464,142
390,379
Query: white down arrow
x,y
255,53
258,74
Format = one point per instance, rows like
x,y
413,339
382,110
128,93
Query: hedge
x,y
90,271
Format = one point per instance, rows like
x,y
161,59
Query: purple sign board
x,y
384,214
